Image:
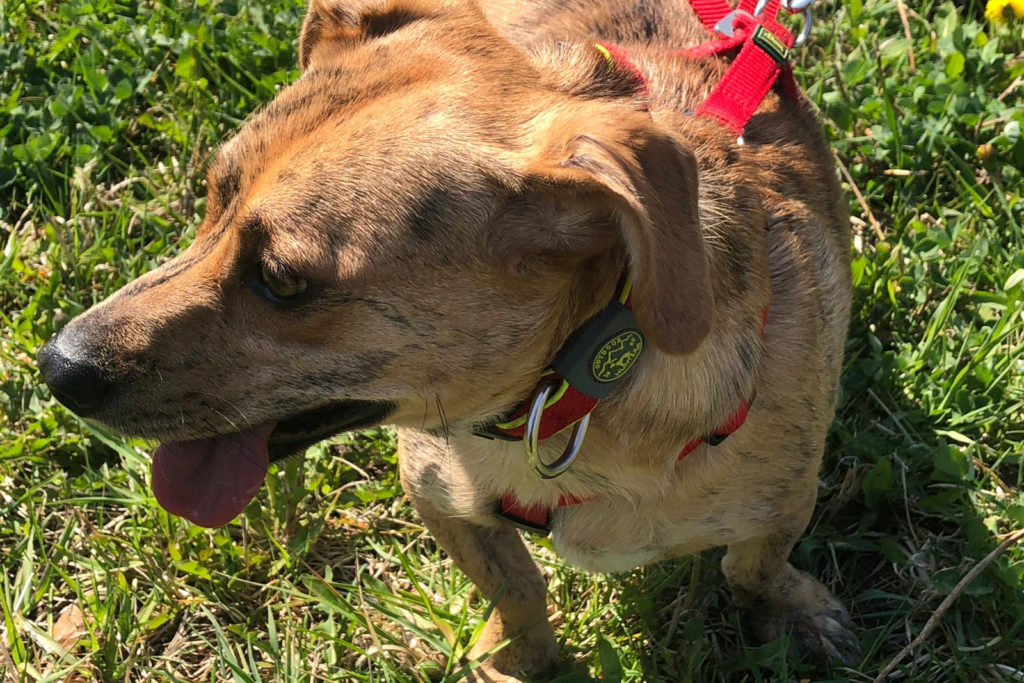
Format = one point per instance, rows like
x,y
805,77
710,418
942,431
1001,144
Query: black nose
x,y
75,382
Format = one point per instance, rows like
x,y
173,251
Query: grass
x,y
108,112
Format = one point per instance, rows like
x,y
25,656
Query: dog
x,y
418,228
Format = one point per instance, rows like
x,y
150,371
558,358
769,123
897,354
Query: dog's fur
x,y
461,192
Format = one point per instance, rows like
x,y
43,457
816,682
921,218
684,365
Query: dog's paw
x,y
826,634
799,605
524,657
488,674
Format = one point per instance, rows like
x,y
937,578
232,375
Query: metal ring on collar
x,y
805,32
531,438
792,7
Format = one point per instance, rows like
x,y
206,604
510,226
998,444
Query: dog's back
x,y
657,22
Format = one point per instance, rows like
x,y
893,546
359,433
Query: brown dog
x,y
411,232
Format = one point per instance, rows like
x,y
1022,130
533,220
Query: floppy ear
x,y
647,179
347,21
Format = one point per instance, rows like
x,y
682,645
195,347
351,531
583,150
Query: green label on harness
x,y
616,356
770,43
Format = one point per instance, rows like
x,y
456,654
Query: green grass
x,y
108,112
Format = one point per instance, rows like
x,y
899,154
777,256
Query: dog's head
x,y
406,234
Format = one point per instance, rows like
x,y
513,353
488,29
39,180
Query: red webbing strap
x,y
710,12
713,48
536,517
763,45
619,59
572,407
743,87
734,422
568,408
690,448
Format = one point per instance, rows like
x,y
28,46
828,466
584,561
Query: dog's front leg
x,y
497,561
777,598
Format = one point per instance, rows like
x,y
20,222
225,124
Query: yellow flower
x,y
999,11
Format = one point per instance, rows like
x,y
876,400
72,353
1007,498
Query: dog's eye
x,y
280,282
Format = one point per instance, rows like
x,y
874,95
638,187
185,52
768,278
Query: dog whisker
x,y
228,420
445,427
232,405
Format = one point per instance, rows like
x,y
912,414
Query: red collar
x,y
570,406
760,49
537,518
595,359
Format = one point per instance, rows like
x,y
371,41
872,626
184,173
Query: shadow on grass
x,y
904,513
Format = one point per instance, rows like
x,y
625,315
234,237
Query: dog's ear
x,y
646,180
345,21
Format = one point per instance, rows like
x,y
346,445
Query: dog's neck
x,y
676,398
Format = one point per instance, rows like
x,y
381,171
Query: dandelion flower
x,y
999,11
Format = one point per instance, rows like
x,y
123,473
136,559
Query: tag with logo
x,y
614,359
772,44
601,352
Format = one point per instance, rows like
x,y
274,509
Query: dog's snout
x,y
74,381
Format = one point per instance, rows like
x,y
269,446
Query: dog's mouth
x,y
298,432
210,481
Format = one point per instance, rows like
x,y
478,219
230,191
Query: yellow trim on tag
x,y
772,44
604,51
625,289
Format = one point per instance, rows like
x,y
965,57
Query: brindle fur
x,y
461,192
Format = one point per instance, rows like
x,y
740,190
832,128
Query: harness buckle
x,y
724,27
531,438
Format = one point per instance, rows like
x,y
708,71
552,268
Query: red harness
x,y
759,46
762,59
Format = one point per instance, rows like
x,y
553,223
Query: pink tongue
x,y
210,481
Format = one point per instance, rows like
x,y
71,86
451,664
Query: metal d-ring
x,y
806,30
531,438
793,7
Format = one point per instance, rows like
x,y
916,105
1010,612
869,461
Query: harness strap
x,y
732,423
535,518
619,58
763,54
710,12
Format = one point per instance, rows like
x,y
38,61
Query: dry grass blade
x,y
69,627
902,8
8,670
875,225
936,617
